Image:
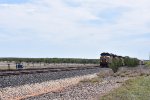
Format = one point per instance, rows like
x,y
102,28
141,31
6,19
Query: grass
x,y
133,89
93,80
97,79
5,67
148,64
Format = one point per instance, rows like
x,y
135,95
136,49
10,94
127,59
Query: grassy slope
x,y
136,89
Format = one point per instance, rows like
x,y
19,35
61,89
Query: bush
x,y
131,62
148,64
116,63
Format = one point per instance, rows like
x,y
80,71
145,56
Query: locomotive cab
x,y
104,59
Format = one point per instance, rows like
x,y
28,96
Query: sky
x,y
74,28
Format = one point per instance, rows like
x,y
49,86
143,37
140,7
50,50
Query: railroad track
x,y
41,70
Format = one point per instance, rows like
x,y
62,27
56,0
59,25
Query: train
x,y
110,60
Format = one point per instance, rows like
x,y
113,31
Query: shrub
x,y
148,64
116,63
131,62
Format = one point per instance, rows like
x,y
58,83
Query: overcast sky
x,y
74,28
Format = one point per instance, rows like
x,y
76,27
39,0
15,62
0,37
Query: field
x,y
10,63
4,65
133,89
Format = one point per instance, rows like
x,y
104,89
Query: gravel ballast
x,y
70,88
83,91
22,86
28,90
17,80
93,91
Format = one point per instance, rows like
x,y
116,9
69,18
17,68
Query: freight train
x,y
110,60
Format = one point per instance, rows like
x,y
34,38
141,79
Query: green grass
x,y
135,89
148,64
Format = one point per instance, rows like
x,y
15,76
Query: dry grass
x,y
97,79
93,80
5,68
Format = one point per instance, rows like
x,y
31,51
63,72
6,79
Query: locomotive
x,y
110,60
106,59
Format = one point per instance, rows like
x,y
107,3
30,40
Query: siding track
x,y
42,70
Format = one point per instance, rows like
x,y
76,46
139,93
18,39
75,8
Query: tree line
x,y
51,60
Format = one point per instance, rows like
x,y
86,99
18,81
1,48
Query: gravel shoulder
x,y
28,90
20,86
71,88
17,80
93,91
83,91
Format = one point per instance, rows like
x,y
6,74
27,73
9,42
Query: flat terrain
x,y
4,65
90,84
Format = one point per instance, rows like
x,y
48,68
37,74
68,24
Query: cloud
x,y
85,24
